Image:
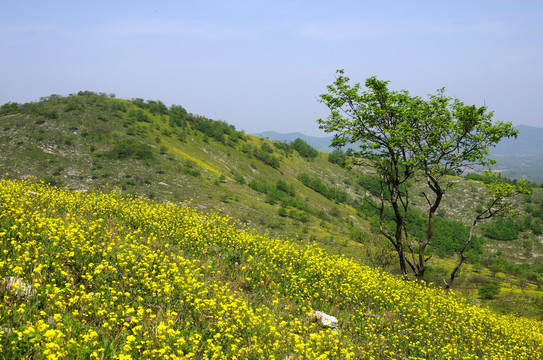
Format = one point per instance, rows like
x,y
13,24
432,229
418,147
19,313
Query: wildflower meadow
x,y
112,276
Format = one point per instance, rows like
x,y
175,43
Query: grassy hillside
x,y
141,148
82,142
113,276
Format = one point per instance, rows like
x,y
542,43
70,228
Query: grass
x,y
122,277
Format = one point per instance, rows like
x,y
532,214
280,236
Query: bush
x,y
502,230
51,180
338,157
129,148
489,290
10,108
304,149
190,168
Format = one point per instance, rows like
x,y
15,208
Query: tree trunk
x,y
421,266
449,283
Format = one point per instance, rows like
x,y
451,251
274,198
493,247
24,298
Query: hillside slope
x,y
93,142
102,275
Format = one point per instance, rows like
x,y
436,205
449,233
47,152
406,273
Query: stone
x,y
20,288
326,320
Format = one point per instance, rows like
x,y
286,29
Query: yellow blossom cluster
x,y
120,277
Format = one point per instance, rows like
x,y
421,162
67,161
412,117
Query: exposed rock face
x,y
326,320
19,288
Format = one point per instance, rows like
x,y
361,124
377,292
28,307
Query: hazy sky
x,y
261,65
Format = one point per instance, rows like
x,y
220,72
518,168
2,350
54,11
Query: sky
x,y
261,65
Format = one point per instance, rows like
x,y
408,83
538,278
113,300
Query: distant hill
x,y
518,158
521,157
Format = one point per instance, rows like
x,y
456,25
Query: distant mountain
x,y
521,157
518,158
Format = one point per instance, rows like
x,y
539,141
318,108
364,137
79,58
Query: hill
x,y
105,275
92,142
521,157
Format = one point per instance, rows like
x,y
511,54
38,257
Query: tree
x,y
304,149
400,135
498,204
489,290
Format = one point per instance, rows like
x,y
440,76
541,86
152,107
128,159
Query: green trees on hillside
x,y
502,229
10,108
304,149
402,134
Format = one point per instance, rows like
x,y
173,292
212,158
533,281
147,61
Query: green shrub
x,y
129,148
502,229
304,149
489,290
338,157
52,180
10,108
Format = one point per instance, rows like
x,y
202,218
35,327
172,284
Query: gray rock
x,y
22,289
7,330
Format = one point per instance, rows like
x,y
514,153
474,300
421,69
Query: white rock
x,y
7,330
325,319
20,288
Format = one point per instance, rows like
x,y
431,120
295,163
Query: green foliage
x,y
282,193
319,186
400,134
51,180
286,148
130,148
266,148
240,179
265,154
339,157
502,229
284,187
139,102
213,129
10,108
489,290
73,104
190,168
485,179
138,115
259,185
178,115
157,107
304,149
51,114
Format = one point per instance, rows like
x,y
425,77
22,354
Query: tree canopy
x,y
401,134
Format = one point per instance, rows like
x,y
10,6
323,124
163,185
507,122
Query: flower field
x,y
115,277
